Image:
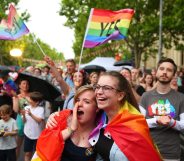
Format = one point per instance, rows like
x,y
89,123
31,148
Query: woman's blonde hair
x,y
81,90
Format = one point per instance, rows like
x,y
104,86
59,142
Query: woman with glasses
x,y
124,135
68,141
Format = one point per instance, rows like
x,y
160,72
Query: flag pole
x,y
34,38
89,19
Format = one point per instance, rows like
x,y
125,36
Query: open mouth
x,y
79,112
164,76
101,99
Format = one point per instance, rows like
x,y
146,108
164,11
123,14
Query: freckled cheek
x,y
90,115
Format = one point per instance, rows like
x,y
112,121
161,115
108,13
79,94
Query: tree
x,y
143,32
4,7
29,48
32,51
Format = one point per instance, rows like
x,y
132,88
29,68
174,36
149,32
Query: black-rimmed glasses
x,y
105,88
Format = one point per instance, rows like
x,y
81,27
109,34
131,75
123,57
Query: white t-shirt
x,y
8,142
32,129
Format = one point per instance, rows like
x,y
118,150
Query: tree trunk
x,y
137,57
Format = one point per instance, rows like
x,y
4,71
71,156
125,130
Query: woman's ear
x,y
121,95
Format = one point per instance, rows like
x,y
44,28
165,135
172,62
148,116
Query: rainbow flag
x,y
105,25
130,132
13,27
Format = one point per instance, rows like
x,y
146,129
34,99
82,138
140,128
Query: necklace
x,y
89,151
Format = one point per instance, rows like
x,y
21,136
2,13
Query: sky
x,y
47,25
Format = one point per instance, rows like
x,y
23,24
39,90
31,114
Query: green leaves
x,y
144,28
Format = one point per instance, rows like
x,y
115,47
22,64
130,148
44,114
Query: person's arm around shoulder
x,y
52,122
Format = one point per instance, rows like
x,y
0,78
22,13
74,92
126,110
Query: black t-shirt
x,y
181,89
72,152
103,146
140,90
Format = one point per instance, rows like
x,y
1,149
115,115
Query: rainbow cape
x,y
105,25
50,144
13,27
130,132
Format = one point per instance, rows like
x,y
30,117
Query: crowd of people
x,y
126,115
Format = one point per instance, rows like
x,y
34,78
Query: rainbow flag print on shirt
x,y
105,25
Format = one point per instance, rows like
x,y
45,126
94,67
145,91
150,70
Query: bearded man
x,y
163,108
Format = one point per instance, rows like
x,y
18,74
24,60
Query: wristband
x,y
70,130
173,124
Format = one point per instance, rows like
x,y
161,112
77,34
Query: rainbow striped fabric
x,y
13,27
50,144
130,132
105,25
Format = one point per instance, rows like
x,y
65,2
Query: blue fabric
x,y
69,102
9,86
69,81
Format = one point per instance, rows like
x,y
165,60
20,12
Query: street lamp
x,y
16,53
